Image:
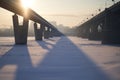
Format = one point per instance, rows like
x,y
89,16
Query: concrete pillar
x,y
85,31
38,32
93,35
79,31
20,31
51,34
100,31
111,29
45,29
46,33
42,30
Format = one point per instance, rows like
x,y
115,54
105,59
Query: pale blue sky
x,y
66,12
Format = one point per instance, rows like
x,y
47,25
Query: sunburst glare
x,y
27,3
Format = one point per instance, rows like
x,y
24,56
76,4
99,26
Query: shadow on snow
x,y
62,62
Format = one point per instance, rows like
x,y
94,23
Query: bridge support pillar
x,y
79,31
94,35
51,34
38,32
20,31
46,33
85,32
42,27
111,29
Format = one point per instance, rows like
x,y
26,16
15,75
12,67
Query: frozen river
x,y
59,58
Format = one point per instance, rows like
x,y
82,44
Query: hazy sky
x,y
66,12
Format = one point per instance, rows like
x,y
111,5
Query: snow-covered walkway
x,y
59,58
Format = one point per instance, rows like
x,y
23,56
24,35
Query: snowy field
x,y
59,58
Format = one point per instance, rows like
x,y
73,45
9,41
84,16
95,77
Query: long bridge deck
x,y
59,58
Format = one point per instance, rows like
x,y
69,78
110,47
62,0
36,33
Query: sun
x,y
27,3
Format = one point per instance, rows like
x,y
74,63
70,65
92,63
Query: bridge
x,y
105,26
20,31
61,58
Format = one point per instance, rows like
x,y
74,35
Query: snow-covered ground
x,y
106,57
59,58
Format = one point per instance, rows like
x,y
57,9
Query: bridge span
x,y
105,26
20,31
61,58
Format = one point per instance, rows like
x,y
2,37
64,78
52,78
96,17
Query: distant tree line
x,y
66,30
7,32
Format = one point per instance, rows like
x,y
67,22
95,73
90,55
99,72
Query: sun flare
x,y
27,3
